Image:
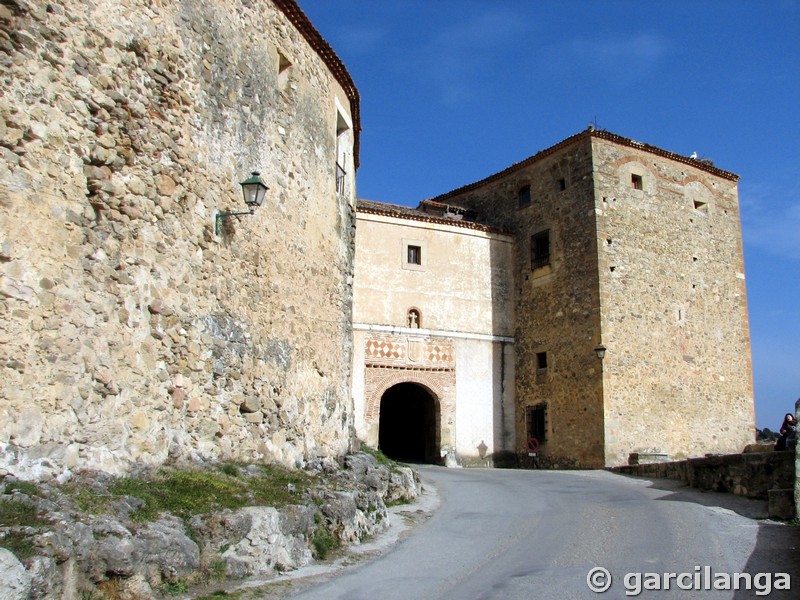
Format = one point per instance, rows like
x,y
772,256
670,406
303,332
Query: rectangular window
x,y
562,184
636,182
536,421
540,249
524,196
344,150
414,255
541,360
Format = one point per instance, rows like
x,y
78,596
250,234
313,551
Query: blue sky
x,y
455,90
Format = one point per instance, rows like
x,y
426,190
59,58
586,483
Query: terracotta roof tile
x,y
583,135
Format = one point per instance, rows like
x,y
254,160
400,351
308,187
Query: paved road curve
x,y
536,534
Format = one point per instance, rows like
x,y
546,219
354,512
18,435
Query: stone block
x,y
781,503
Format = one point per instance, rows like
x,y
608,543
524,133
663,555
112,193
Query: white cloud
x,y
634,54
455,58
771,220
355,39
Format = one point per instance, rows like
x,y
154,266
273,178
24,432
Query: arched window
x,y
414,319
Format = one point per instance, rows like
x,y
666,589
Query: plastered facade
x,y
130,331
459,346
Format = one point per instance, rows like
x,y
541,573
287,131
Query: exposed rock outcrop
x,y
64,551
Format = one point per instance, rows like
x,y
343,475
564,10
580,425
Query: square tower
x,y
639,249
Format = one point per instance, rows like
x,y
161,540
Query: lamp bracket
x,y
229,213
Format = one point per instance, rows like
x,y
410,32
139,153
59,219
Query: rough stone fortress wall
x,y
129,331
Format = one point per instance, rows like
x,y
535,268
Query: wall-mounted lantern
x,y
254,191
600,351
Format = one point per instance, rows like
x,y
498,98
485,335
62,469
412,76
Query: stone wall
x,y
674,306
645,257
762,475
130,331
557,304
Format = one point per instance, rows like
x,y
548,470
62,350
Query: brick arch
x,y
426,379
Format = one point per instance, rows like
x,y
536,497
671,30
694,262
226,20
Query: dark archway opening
x,y
409,424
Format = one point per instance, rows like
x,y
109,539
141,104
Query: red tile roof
x,y
583,135
416,214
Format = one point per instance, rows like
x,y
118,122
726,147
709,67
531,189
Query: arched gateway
x,y
409,423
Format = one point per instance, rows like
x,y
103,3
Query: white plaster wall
x,y
478,389
463,285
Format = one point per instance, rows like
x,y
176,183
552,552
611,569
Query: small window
x,y
536,421
414,320
540,249
541,360
636,182
524,196
284,67
344,145
562,184
701,206
413,257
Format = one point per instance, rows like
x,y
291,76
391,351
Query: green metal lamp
x,y
254,191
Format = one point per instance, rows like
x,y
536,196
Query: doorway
x,y
409,424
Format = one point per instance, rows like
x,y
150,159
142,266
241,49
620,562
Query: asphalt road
x,y
506,534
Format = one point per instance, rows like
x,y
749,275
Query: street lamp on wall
x,y
254,191
600,351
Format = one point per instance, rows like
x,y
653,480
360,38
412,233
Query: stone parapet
x,y
762,475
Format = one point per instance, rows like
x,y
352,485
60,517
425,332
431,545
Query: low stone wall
x,y
763,475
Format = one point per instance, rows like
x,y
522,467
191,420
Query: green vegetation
x,y
18,513
398,502
221,594
26,487
189,492
324,541
380,457
173,588
18,544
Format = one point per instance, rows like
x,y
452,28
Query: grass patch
x,y
324,541
173,588
398,502
217,570
15,513
379,456
18,544
20,514
231,469
26,487
189,492
221,594
182,493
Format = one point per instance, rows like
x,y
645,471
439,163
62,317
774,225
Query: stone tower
x,y
136,326
626,245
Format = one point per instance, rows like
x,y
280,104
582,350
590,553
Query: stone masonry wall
x,y
656,274
557,306
767,476
674,307
130,332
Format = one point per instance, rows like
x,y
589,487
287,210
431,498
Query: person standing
x,y
788,433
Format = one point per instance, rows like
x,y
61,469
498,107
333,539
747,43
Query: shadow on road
x,y
777,548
